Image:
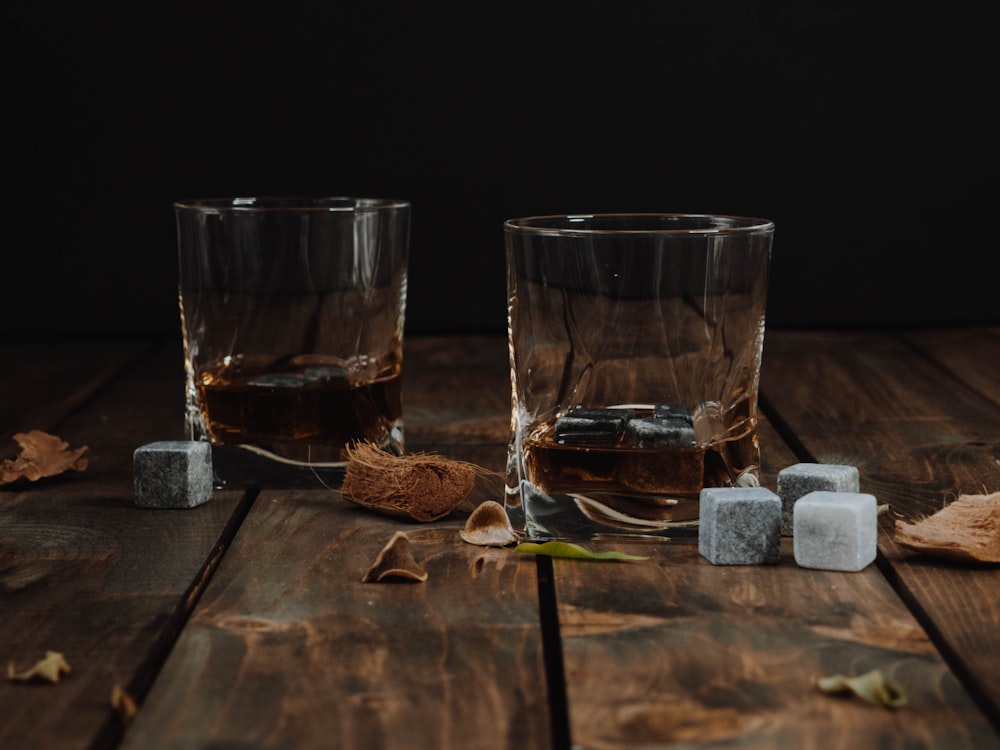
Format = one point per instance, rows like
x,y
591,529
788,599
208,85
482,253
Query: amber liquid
x,y
299,400
632,488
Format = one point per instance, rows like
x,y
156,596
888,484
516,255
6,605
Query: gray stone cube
x,y
739,525
172,474
596,427
661,433
800,479
835,530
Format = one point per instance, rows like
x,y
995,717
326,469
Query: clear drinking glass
x,y
635,350
292,312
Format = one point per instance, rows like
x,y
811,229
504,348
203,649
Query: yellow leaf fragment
x,y
395,563
123,704
572,551
51,668
871,686
42,455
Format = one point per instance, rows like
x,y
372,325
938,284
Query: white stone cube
x,y
835,530
799,479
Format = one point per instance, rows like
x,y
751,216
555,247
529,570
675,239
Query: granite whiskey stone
x,y
800,479
173,474
739,525
582,426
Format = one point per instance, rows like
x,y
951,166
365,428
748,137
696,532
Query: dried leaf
x,y
51,668
870,686
395,563
575,551
489,526
42,455
123,704
967,529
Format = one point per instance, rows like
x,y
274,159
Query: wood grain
x,y
290,649
244,623
456,394
456,403
970,357
677,652
86,573
919,436
308,656
42,383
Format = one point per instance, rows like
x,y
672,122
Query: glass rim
x,y
288,204
562,224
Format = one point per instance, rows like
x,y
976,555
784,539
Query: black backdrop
x,y
864,131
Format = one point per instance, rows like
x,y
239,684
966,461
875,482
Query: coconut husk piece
x,y
421,486
489,526
395,563
967,530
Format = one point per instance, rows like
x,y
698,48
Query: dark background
x,y
865,132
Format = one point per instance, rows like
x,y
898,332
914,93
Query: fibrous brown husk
x,y
42,455
489,526
967,529
420,486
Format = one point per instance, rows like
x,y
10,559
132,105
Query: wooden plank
x,y
970,355
917,435
456,403
41,383
288,648
85,572
674,651
457,397
678,651
919,438
308,656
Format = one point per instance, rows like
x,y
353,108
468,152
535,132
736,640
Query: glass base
x,y
538,516
244,466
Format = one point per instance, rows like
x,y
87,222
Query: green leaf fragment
x,y
870,686
570,550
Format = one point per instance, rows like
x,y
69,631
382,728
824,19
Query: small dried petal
x,y
51,668
123,704
870,686
395,563
489,526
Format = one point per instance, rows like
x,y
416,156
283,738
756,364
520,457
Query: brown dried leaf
x,y
489,526
51,668
395,563
967,529
42,455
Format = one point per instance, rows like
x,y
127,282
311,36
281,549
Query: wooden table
x,y
244,623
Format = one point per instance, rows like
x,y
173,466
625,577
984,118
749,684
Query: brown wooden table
x,y
244,623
